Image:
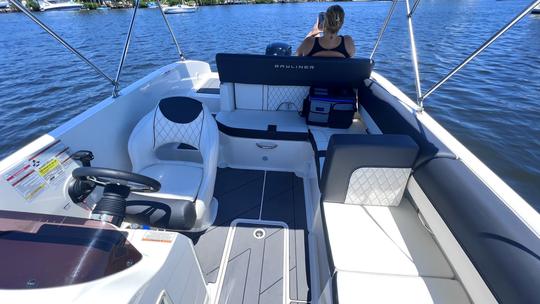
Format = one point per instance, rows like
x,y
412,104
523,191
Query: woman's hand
x,y
314,30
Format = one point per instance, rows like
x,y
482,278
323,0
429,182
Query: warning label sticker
x,y
33,175
159,236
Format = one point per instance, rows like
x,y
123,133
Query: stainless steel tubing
x,y
25,11
171,31
415,5
383,29
483,47
126,47
414,56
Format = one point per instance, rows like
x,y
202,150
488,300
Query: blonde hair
x,y
333,20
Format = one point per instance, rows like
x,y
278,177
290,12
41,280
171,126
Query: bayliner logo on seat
x,y
294,67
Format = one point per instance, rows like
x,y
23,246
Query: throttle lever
x,y
84,156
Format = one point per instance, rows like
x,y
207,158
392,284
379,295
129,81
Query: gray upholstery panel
x,y
501,247
348,152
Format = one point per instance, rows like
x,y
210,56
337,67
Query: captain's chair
x,y
176,122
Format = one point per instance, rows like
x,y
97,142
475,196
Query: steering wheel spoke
x,y
105,176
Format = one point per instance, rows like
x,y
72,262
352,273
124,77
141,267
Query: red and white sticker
x,y
33,175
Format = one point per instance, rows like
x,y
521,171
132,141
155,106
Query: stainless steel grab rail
x,y
25,11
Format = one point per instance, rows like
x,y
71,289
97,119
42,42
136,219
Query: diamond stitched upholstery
x,y
166,131
285,98
377,186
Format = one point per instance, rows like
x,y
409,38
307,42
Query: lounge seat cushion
x,y
284,125
351,287
383,240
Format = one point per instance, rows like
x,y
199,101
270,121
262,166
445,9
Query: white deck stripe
x,y
262,196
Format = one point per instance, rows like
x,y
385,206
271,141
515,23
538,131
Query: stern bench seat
x,y
261,96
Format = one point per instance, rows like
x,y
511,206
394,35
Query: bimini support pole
x,y
125,51
483,47
383,29
414,57
182,58
29,14
415,5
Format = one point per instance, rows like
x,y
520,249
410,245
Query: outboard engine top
x,y
278,49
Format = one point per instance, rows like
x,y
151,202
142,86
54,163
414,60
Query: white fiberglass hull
x,y
66,6
180,9
536,10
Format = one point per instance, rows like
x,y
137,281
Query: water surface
x,y
492,106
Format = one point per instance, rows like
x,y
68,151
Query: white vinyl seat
x,y
176,122
379,250
383,240
354,287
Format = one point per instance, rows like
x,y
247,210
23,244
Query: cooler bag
x,y
330,107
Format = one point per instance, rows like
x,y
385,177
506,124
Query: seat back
x,y
367,169
178,123
274,83
174,123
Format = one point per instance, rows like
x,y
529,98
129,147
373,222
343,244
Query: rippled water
x,y
492,105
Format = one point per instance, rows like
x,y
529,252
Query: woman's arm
x,y
349,45
315,31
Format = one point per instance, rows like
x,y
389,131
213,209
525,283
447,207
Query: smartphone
x,y
321,20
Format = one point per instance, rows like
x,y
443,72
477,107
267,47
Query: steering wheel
x,y
104,177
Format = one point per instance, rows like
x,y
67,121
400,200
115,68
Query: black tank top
x,y
340,48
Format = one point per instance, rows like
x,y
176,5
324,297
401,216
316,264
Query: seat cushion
x,y
350,287
279,125
384,240
178,181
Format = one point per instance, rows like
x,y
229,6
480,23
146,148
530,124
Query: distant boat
x,y
536,10
152,5
103,8
58,5
4,4
180,8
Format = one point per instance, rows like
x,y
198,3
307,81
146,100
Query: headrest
x,y
180,109
178,120
292,70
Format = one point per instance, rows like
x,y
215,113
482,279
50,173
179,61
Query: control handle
x,y
84,156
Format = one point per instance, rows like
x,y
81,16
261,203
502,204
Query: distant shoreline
x,y
200,3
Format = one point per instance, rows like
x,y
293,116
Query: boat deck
x,y
244,251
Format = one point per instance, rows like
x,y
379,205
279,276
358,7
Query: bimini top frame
x,y
116,81
420,97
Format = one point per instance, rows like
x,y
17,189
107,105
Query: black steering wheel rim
x,y
104,176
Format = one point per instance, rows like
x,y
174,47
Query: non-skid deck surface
x,y
255,265
240,195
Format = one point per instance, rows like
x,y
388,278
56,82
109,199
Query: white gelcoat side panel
x,y
226,93
244,153
249,96
463,268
